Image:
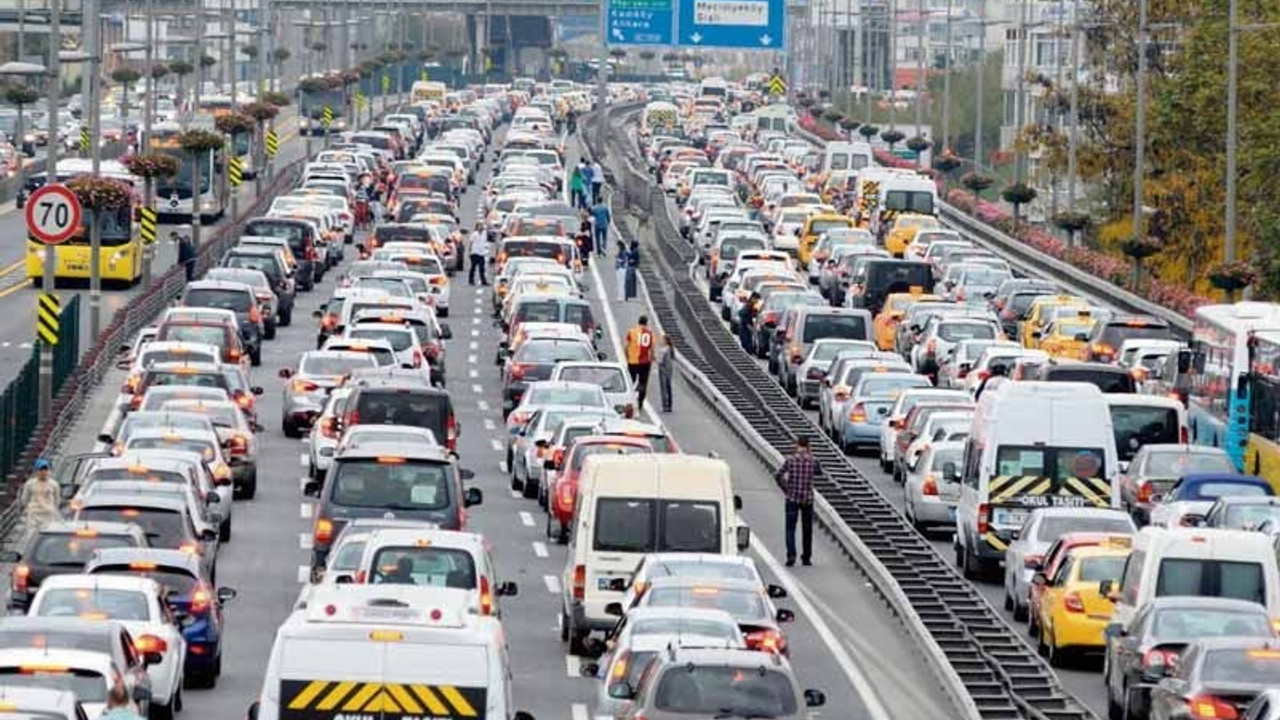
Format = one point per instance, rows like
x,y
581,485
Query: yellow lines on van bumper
x,y
994,541
323,699
1096,490
1003,487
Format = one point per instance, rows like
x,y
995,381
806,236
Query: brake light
x,y
244,400
21,576
960,295
930,486
255,315
983,374
566,497
1072,603
1184,436
417,358
486,597
858,413
1145,492
233,355
1208,707
322,533
329,321
150,643
135,402
518,371
310,254
451,432
579,582
131,384
766,641
201,601
304,386
189,548
984,518
558,457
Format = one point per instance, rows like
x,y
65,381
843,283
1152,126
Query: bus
x,y
120,256
218,105
174,194
1218,387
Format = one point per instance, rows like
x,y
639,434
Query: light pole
x,y
1019,114
94,99
1140,127
1073,134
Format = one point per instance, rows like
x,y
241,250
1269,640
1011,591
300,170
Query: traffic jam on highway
x,y
1083,460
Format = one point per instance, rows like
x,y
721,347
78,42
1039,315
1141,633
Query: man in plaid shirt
x,y
796,475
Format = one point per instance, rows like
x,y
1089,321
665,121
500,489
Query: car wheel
x,y
290,429
249,488
530,489
224,531
269,331
970,568
577,640
1033,626
286,318
1057,655
542,496
564,626
255,357
162,712
442,311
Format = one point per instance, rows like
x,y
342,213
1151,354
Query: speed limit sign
x,y
53,214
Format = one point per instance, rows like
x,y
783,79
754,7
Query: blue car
x,y
858,424
1191,497
191,599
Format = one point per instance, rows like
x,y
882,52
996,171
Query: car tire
x,y
269,331
564,626
249,488
224,531
442,311
528,489
162,712
885,465
286,318
255,357
969,566
290,429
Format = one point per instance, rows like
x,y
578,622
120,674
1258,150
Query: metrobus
x,y
1218,391
218,105
174,194
120,254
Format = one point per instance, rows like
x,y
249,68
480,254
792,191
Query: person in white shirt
x,y
478,247
597,181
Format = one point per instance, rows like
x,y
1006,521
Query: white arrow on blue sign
x,y
739,24
640,22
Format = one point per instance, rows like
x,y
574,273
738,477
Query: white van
x,y
1139,420
383,650
1202,562
847,156
1033,444
629,506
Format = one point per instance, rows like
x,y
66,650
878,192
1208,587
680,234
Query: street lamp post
x,y
94,99
1019,114
1073,134
1140,127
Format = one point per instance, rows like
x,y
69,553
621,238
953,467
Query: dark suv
x,y
238,298
401,398
302,241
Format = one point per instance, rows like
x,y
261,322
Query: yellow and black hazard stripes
x,y
235,171
326,117
48,312
1096,491
1002,488
147,224
1033,491
273,143
325,699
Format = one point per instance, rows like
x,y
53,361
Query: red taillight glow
x,y
486,596
255,315
322,533
239,445
451,432
766,640
1208,707
518,371
304,386
329,427
930,486
858,413
1145,492
1072,603
21,576
150,643
579,582
984,518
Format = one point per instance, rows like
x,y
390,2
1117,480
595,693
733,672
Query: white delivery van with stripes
x,y
1033,444
388,652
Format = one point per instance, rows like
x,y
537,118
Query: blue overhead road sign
x,y
640,22
740,24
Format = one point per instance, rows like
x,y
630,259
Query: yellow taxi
x,y
904,230
1038,316
813,229
1073,611
1067,336
885,324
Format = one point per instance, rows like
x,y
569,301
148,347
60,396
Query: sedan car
x,y
1192,495
1156,467
530,446
1221,676
748,603
868,406
61,548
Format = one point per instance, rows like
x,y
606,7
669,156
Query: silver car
x,y
239,444
322,441
1044,526
307,388
813,368
930,493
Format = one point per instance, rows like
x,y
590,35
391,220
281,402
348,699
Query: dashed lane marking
x,y
526,517
473,373
579,712
477,388
489,424
553,584
514,493
502,465
472,359
496,444
304,460
572,666
540,549
305,510
304,573
474,345
305,541
483,405
475,332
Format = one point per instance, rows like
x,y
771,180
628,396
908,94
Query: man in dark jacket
x,y
746,320
186,254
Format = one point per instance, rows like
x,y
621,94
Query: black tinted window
x,y
851,327
391,407
164,528
236,300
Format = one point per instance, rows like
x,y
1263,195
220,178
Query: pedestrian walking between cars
x,y
796,475
640,347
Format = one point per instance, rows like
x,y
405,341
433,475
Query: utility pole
x,y
920,83
946,87
45,402
95,65
1057,88
1140,129
148,108
602,82
1073,134
982,73
260,40
1020,164
1233,98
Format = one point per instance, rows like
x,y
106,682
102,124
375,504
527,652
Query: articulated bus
x,y
173,195
1262,452
1218,402
217,105
120,256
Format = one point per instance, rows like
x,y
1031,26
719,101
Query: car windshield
x,y
581,453
97,603
207,334
171,443
1054,526
139,474
1097,569
74,549
699,627
155,356
562,396
751,692
1213,490
1138,425
957,331
438,566
746,606
1188,623
185,379
236,300
550,352
87,685
135,421
1211,578
158,397
1250,516
221,415
399,339
608,378
817,326
1178,463
1239,666
646,525
165,528
829,350
891,386
673,567
391,483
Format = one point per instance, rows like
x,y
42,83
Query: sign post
x,y
53,215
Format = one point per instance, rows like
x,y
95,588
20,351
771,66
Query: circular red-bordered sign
x,y
53,214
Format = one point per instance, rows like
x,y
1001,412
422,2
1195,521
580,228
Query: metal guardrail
x,y
1003,678
1033,262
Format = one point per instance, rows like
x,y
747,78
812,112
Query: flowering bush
x,y
101,193
1232,276
180,68
125,75
208,60
196,141
888,159
159,70
234,123
313,84
20,95
152,165
260,111
273,97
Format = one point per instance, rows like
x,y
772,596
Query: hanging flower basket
x,y
319,47
273,97
892,137
159,70
1141,248
281,54
849,124
1232,276
918,144
1018,194
313,84
617,53
946,162
199,141
977,182
20,95
152,165
260,111
670,57
647,55
249,51
868,131
234,123
1072,222
824,94
427,55
101,193
351,77
125,76
833,115
181,67
208,60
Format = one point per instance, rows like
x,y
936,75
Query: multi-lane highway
x,y
844,641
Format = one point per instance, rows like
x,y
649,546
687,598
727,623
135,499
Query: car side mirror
x,y
508,589
467,473
344,579
814,698
105,438
1114,630
152,657
10,556
252,712
743,537
614,609
601,356
549,464
1017,533
256,390
317,314
360,248
226,595
1039,579
211,535
311,488
1037,334
775,591
446,332
589,669
285,373
621,691
784,615
473,497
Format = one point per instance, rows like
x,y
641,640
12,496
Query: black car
x,y
63,548
1217,678
268,263
400,397
1108,378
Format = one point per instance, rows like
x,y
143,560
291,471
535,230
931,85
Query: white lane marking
x,y
502,465
489,424
578,710
797,593
304,573
473,373
475,321
305,541
553,584
474,345
305,510
497,444
471,359
477,388
526,517
483,405
540,549
514,493
573,667
475,332
304,460
302,484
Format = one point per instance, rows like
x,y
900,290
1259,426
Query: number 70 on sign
x,y
53,214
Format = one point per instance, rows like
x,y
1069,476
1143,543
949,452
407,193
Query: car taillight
x,y
329,321
131,384
190,548
983,374
244,400
858,413
310,254
201,601
304,386
765,640
150,643
1145,492
960,295
239,445
486,596
1208,707
579,582
432,349
21,576
566,497
1072,603
417,358
322,533
135,402
930,486
451,432
233,355
1184,436
518,371
984,518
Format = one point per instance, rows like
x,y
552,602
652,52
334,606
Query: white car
x,y
93,673
897,414
612,377
138,604
403,340
322,441
929,494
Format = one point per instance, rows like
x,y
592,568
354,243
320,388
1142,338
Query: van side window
x,y
971,460
1132,578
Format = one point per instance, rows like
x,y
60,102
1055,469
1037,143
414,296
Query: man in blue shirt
x,y
601,217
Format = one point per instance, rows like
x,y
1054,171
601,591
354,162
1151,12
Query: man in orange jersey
x,y
641,344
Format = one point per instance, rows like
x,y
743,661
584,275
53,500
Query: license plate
x,y
603,583
1009,518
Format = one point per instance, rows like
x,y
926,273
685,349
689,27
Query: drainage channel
x,y
1005,679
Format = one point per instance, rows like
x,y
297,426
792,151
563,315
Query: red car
x,y
564,492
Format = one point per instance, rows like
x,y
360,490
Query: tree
x,y
249,51
964,105
1017,195
21,96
